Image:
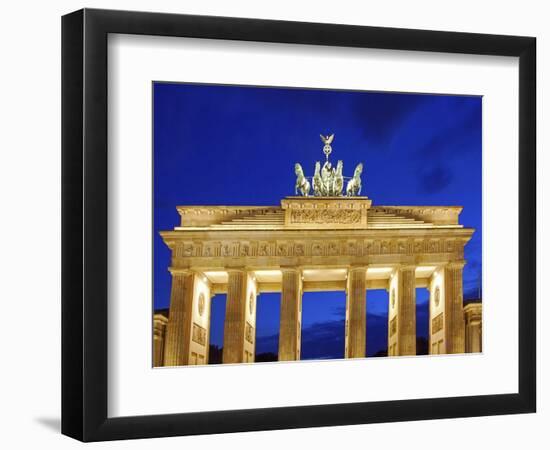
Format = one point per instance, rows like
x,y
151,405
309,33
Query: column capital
x,y
204,279
236,269
357,267
456,264
291,269
402,267
160,319
180,270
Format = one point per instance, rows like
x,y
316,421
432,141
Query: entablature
x,y
317,249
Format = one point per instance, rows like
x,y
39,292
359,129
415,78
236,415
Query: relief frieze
x,y
393,326
249,333
437,323
199,334
342,247
325,216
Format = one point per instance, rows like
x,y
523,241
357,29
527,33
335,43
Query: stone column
x,y
454,314
402,312
234,327
356,313
178,330
291,315
473,322
159,332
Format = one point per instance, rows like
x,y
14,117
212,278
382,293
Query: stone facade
x,y
291,315
312,243
159,331
473,319
356,313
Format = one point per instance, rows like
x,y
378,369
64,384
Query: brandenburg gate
x,y
326,239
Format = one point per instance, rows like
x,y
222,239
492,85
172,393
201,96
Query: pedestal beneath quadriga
x,y
326,212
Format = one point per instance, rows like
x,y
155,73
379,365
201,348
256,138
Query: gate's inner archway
x,y
422,321
293,313
268,316
323,325
377,322
217,320
322,313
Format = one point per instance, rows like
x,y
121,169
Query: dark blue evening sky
x,y
233,145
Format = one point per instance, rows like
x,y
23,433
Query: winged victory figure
x,y
327,140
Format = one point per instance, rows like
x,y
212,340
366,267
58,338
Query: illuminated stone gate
x,y
313,243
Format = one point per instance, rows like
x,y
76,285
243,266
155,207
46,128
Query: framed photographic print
x,y
274,224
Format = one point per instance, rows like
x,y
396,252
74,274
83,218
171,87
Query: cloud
x,y
326,340
472,293
339,311
435,179
321,340
381,116
422,301
454,137
472,278
267,343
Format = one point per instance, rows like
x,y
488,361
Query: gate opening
x,y
217,319
323,325
377,322
268,315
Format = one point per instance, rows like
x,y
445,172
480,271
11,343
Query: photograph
x,y
296,224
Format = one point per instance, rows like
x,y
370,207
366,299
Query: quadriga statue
x,y
328,181
354,185
338,179
318,187
301,181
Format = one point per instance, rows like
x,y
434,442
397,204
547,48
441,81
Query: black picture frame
x,y
84,224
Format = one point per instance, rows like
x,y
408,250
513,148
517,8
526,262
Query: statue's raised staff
x,y
327,140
